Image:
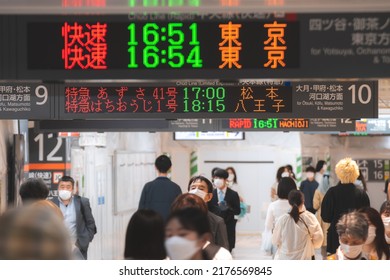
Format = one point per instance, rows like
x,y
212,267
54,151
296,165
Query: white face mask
x,y
64,194
285,174
386,222
371,235
358,183
231,177
309,175
180,248
219,183
387,239
198,192
351,252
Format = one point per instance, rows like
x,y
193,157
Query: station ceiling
x,y
201,6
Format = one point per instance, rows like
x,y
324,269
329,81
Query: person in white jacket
x,y
297,233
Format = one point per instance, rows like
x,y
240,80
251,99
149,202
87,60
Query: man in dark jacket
x,y
159,194
226,204
77,214
202,187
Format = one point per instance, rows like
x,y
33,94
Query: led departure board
x,y
324,99
83,101
117,43
192,46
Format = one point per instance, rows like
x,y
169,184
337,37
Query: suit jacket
x,y
85,223
158,195
218,230
232,202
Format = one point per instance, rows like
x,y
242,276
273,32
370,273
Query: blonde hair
x,y
347,170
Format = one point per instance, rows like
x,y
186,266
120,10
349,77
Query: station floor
x,y
248,248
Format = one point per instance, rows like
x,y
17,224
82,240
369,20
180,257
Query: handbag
x,y
310,239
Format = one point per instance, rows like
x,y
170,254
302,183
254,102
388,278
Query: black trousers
x,y
231,233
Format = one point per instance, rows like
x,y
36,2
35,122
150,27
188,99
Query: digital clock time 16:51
x,y
174,43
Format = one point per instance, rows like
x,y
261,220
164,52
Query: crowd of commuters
x,y
337,220
201,223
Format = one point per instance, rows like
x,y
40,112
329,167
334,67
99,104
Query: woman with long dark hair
x,y
375,247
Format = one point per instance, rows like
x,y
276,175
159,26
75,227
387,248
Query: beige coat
x,y
317,200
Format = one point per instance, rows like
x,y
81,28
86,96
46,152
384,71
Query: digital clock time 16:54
x,y
174,44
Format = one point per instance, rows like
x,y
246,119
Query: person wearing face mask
x,y
352,229
361,182
203,188
282,172
212,248
77,213
341,199
385,215
308,187
375,247
226,204
320,171
275,210
187,231
233,184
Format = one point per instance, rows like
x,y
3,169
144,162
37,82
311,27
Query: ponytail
x,y
294,213
295,199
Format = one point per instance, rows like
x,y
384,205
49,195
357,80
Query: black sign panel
x,y
216,100
19,100
94,101
47,159
374,169
180,46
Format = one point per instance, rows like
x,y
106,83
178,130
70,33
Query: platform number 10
x,y
364,93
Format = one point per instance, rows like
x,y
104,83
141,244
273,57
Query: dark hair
x,y
353,224
188,200
279,173
285,185
375,219
163,163
385,207
202,179
38,233
319,165
295,199
290,169
361,178
221,173
213,171
66,179
192,219
33,189
145,236
310,169
234,172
